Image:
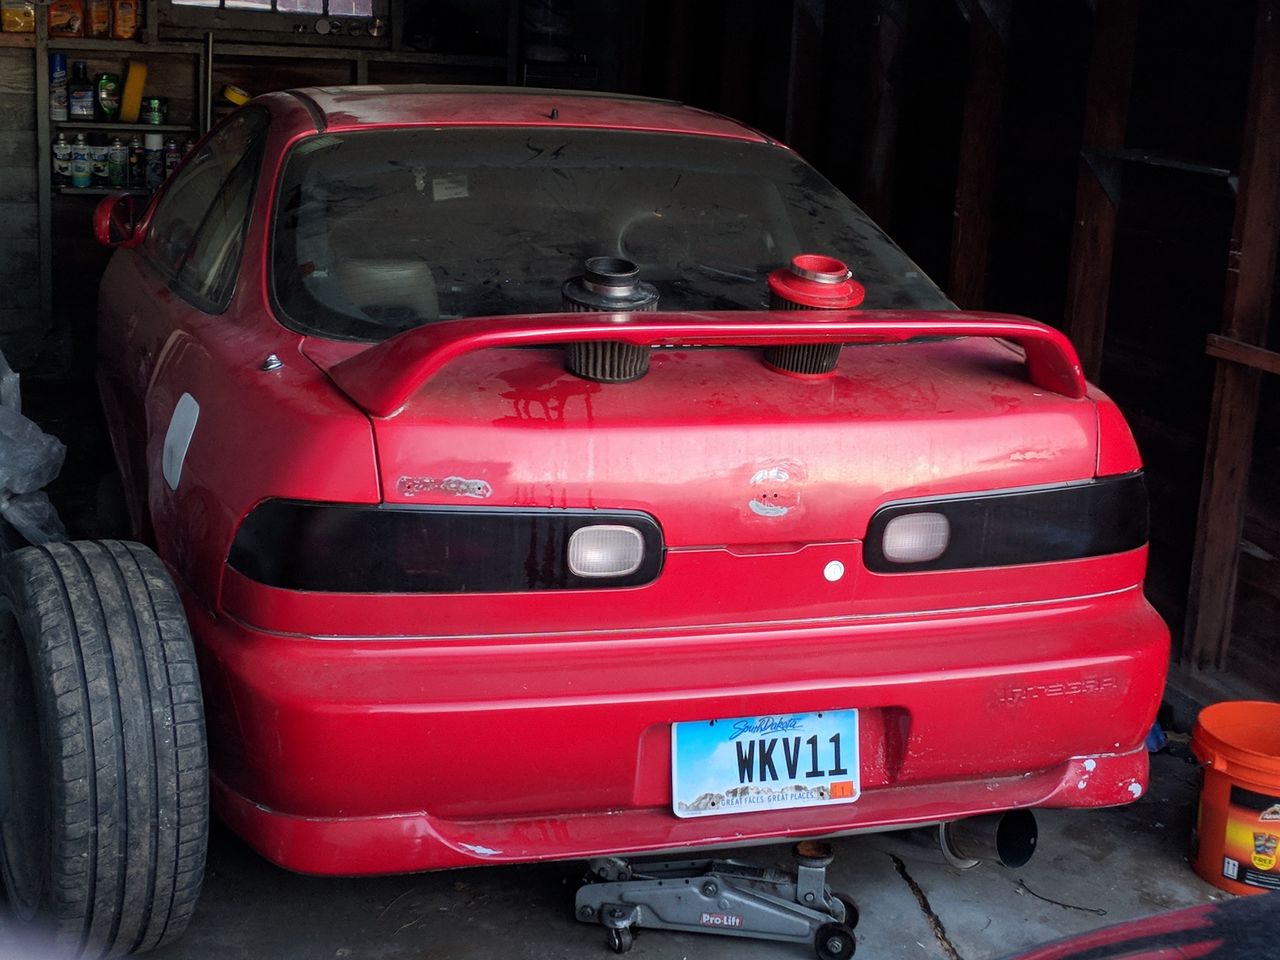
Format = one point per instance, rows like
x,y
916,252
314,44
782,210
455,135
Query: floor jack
x,y
721,896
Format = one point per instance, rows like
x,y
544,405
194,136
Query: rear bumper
x,y
349,756
410,843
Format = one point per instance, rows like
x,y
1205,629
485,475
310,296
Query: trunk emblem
x,y
454,486
772,494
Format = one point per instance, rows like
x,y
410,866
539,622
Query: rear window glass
x,y
380,231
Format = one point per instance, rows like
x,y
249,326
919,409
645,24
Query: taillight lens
x,y
1001,528
348,548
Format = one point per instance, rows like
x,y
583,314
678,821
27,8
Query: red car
x,y
544,475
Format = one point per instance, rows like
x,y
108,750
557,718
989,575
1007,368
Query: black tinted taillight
x,y
345,548
1002,528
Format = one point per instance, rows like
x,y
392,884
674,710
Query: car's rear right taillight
x,y
1001,528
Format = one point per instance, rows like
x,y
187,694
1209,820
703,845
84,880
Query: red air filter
x,y
811,282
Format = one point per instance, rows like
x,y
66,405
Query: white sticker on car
x,y
182,425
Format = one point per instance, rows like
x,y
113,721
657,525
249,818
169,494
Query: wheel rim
x,y
24,798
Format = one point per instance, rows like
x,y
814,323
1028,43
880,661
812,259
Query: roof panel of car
x,y
412,104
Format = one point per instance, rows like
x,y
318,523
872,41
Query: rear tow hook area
x,y
721,896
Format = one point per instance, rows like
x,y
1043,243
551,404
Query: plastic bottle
x,y
137,174
98,21
81,166
125,15
107,96
80,92
117,164
61,161
58,86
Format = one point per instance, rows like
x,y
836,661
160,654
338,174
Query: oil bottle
x,y
80,92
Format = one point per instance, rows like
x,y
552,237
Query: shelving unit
x,y
99,191
177,70
186,58
86,125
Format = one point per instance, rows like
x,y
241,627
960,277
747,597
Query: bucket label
x,y
1252,848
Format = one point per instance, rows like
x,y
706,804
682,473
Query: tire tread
x,y
116,675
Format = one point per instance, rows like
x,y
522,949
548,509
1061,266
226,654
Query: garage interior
x,y
1108,167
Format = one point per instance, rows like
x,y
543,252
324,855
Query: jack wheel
x,y
621,939
851,915
834,941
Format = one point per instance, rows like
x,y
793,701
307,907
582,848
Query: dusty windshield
x,y
380,231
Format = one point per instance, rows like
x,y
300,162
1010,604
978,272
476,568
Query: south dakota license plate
x,y
771,762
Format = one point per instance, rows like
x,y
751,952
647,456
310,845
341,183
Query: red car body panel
x,y
1223,930
348,731
347,108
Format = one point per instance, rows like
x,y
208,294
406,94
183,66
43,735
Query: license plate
x,y
773,762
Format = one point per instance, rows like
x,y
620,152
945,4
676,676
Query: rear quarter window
x,y
197,231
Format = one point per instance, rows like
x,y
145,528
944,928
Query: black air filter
x,y
609,285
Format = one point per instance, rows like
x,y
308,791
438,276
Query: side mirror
x,y
115,220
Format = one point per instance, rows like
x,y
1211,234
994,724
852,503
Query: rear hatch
x,y
758,480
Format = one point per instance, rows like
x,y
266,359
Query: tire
x,y
104,788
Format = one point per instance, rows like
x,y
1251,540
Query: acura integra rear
x,y
547,476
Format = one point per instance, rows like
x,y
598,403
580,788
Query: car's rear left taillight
x,y
351,548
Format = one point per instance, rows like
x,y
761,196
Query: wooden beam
x,y
515,54
803,121
1268,361
1251,263
1093,238
979,148
678,29
875,187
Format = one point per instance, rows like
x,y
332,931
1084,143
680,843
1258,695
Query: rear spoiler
x,y
382,379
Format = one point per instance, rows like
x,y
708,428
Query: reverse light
x,y
605,550
916,537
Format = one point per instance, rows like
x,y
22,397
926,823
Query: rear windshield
x,y
380,231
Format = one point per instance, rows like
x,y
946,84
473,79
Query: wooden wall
x,y
22,326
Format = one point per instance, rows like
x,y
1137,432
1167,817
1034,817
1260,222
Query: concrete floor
x,y
1107,865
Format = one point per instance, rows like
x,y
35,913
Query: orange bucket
x,y
1237,843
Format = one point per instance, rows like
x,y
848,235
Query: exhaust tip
x,y
1016,838
1008,838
